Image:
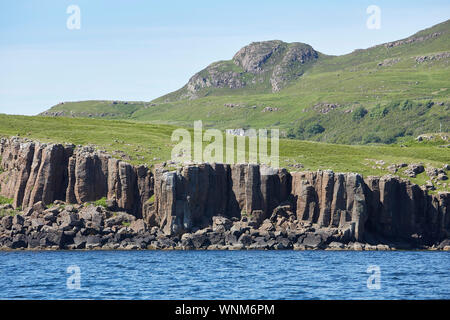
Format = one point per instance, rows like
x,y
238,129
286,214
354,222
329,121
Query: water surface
x,y
224,275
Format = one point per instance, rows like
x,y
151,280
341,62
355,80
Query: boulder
x,y
19,241
39,207
68,220
245,239
221,223
7,222
93,241
312,240
199,240
138,226
79,241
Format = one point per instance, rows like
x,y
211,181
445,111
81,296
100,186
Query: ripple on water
x,y
224,275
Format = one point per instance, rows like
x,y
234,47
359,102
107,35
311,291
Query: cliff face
x,y
36,172
331,199
399,208
188,199
386,207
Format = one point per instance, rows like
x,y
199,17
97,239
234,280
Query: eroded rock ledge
x,y
214,206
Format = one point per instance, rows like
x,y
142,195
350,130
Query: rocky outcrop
x,y
65,226
375,208
412,39
399,208
316,207
331,200
36,172
33,171
88,227
275,61
191,196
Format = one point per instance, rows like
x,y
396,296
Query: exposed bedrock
x,y
192,195
36,172
186,200
331,199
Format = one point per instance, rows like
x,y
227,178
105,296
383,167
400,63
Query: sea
x,y
224,275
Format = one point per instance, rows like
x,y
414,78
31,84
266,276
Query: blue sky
x,y
140,50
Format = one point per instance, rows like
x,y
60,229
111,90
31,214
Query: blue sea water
x,y
223,275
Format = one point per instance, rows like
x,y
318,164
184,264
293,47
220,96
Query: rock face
x,y
331,200
398,208
191,196
380,208
316,208
36,172
275,61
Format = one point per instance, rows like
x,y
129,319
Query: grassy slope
x,y
100,109
144,142
350,80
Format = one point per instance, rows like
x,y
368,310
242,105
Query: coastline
x,y
86,228
67,197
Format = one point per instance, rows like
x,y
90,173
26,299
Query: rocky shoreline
x,y
55,189
64,226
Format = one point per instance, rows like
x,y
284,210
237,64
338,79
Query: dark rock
x,y
93,241
216,238
19,241
39,207
230,239
119,219
80,241
7,222
199,240
138,226
18,219
245,239
111,204
219,221
414,169
68,220
260,243
312,240
34,239
53,237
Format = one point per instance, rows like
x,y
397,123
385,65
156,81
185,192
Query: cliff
x,y
346,206
36,172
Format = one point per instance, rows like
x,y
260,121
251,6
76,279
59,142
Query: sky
x,y
138,50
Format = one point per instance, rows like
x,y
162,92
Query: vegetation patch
x,y
4,200
101,202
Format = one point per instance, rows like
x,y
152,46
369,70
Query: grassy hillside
x,y
139,142
399,89
97,109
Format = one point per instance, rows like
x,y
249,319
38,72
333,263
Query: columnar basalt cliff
x,y
241,203
36,172
191,196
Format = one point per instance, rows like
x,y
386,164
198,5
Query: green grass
x,y
99,109
354,81
101,202
151,199
9,212
144,142
4,200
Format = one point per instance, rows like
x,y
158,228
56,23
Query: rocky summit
x,y
268,65
56,191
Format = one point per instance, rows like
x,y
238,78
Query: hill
x,y
380,94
